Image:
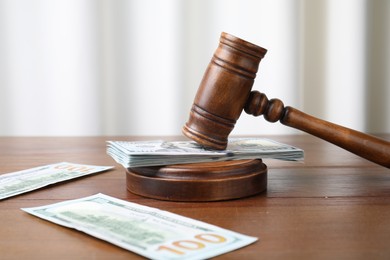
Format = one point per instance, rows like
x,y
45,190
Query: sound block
x,y
199,181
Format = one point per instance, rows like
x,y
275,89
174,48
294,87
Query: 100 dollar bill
x,y
147,231
12,184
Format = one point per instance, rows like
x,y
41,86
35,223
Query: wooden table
x,y
335,205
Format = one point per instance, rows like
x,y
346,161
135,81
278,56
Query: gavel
x,y
225,91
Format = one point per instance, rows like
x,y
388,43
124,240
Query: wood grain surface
x,y
334,205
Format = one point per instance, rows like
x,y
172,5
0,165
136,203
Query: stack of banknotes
x,y
153,153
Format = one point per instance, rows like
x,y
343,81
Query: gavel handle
x,y
369,147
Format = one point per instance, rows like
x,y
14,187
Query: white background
x,y
76,67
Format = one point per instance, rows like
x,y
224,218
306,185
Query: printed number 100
x,y
200,241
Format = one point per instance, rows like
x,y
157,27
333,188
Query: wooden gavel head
x,y
223,92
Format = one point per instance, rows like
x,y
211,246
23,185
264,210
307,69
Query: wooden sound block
x,y
200,181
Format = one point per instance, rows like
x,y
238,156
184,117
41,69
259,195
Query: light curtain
x,y
133,67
